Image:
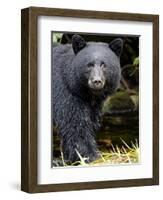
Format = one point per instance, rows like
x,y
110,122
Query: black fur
x,y
76,108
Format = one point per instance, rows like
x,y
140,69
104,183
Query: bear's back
x,y
62,56
62,53
61,49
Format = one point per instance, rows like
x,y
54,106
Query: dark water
x,y
118,127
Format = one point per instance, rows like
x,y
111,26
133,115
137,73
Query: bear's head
x,y
97,65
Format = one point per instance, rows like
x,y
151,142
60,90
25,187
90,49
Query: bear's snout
x,y
96,80
96,84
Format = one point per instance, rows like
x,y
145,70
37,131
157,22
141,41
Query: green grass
x,y
116,155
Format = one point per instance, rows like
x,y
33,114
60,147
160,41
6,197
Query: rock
x,y
121,102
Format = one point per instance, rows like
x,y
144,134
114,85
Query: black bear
x,y
83,75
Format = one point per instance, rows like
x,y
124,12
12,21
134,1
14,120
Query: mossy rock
x,y
135,99
121,102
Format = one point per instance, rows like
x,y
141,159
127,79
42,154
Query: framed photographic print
x,y
90,99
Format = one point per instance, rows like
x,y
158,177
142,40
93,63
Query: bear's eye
x,y
103,65
90,65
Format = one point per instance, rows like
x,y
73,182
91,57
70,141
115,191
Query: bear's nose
x,y
97,82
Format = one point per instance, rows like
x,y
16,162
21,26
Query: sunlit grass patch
x,y
115,155
119,155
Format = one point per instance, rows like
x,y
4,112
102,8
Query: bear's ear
x,y
116,46
78,43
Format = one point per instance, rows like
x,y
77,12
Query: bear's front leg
x,y
74,144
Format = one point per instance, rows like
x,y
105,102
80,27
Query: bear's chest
x,y
91,116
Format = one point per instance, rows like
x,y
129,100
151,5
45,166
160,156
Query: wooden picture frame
x,y
29,112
